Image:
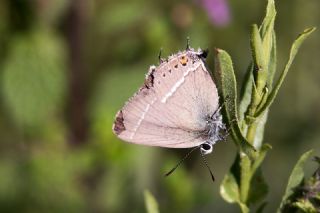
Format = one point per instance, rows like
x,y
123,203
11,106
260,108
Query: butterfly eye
x,y
206,148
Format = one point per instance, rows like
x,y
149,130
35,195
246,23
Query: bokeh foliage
x,y
47,165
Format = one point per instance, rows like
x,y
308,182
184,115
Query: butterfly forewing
x,y
170,109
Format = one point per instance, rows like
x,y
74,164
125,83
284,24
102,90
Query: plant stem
x,y
245,165
251,133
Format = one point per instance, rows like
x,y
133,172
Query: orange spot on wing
x,y
183,60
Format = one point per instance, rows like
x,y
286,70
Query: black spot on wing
x,y
148,83
118,125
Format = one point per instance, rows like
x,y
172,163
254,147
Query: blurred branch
x,y
77,113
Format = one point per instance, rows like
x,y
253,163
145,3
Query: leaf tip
x,y
309,30
217,50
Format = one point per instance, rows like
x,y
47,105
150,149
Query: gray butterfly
x,y
177,106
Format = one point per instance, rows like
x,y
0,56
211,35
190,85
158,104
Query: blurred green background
x,y
66,67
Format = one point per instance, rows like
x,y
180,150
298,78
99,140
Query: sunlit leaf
x,y
268,20
244,208
229,189
227,80
294,49
305,206
267,29
150,202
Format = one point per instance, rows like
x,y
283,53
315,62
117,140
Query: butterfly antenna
x,y
206,164
180,162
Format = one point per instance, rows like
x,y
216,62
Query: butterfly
x,y
176,107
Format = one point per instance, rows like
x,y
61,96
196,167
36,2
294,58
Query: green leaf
x,y
305,206
253,185
34,78
272,61
224,68
267,29
244,103
263,53
259,60
150,202
256,48
245,98
258,188
262,154
295,178
261,207
268,21
245,92
259,134
294,49
229,189
244,208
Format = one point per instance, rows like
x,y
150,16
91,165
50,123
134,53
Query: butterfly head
x,y
215,130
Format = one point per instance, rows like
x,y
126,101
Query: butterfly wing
x,y
170,110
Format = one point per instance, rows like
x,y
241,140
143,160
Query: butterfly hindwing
x,y
170,109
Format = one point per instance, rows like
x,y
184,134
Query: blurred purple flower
x,y
218,11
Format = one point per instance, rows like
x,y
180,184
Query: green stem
x,y
245,165
251,133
